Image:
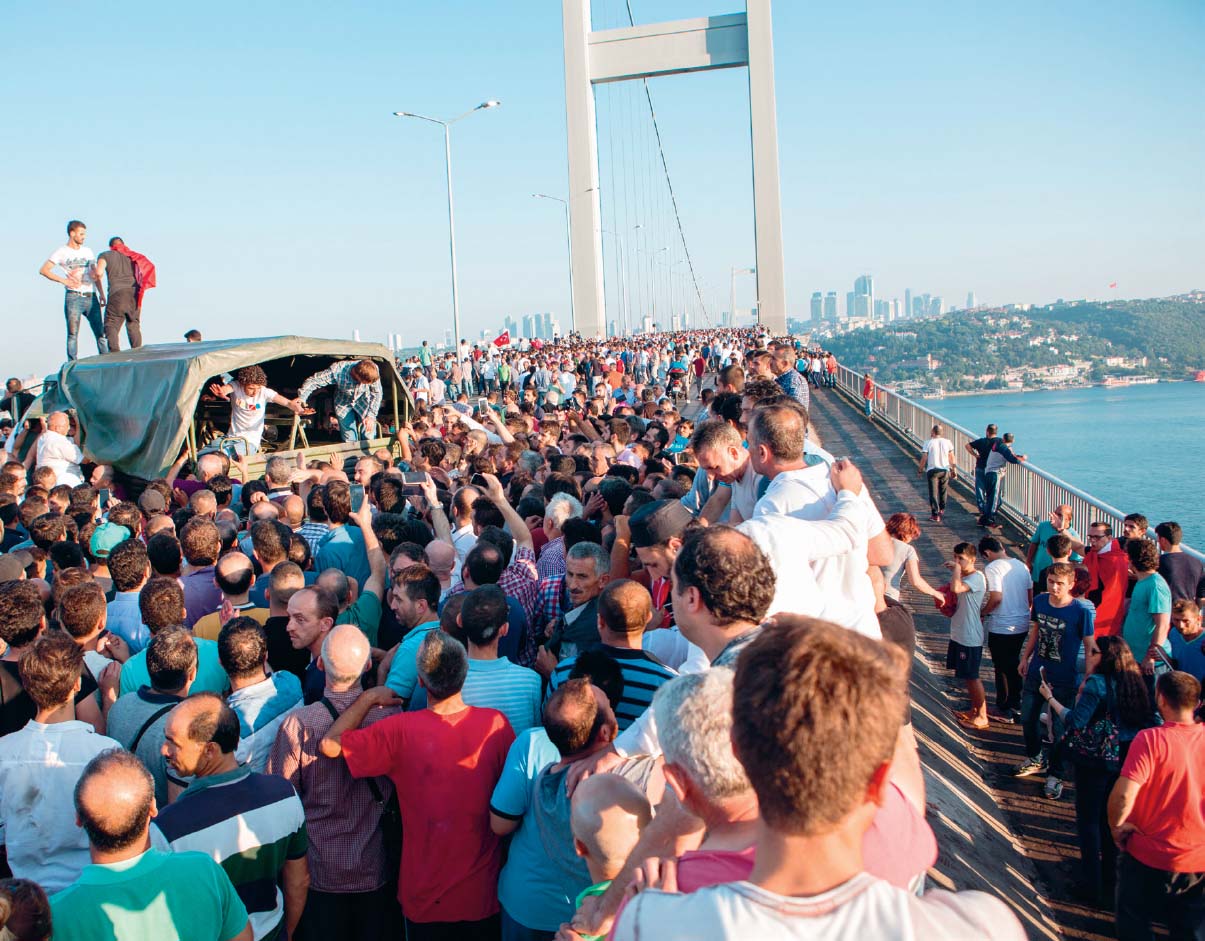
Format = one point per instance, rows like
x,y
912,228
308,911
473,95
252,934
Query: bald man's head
x,y
294,511
115,800
607,817
441,557
234,574
345,654
625,608
57,421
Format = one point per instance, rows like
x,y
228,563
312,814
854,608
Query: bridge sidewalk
x,y
995,832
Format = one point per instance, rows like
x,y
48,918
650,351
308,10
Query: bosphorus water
x,y
1139,448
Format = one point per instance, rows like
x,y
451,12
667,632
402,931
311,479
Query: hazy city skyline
x,y
263,173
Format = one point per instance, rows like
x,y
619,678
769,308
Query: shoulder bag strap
x,y
371,782
155,717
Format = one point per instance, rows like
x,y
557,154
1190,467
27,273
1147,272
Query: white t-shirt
x,y
864,908
1011,578
80,265
937,453
247,414
744,493
966,626
437,390
420,387
807,494
795,547
62,455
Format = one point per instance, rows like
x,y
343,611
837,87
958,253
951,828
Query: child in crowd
x,y
967,634
609,813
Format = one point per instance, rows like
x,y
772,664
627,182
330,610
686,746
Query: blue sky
x,y
1025,151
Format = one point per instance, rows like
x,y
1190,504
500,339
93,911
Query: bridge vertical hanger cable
x,y
669,184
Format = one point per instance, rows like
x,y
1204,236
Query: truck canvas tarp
x,y
137,407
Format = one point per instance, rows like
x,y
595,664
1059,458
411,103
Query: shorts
x,y
963,660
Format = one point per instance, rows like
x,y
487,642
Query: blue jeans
x,y
76,305
868,405
1031,711
991,499
351,429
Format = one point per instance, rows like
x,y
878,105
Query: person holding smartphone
x,y
1061,624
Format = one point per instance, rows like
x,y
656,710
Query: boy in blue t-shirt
x,y
1060,624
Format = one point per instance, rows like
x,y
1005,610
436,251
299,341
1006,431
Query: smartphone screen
x,y
357,497
103,494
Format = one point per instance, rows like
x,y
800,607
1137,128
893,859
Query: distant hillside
x,y
1060,344
1156,327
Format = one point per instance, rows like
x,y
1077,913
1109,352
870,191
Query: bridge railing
x,y
1027,493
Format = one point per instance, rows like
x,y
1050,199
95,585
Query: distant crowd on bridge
x,y
600,641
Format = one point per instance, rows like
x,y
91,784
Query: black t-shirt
x,y
12,537
983,447
118,270
16,404
16,708
1184,575
281,655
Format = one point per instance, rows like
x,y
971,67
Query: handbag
x,y
1099,742
391,814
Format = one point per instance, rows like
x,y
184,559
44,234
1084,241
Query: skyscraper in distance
x,y
971,302
817,306
830,307
907,302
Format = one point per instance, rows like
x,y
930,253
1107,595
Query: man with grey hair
x,y
529,463
446,760
350,882
560,508
276,474
694,716
587,571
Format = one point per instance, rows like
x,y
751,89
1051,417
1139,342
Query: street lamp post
x,y
447,126
568,246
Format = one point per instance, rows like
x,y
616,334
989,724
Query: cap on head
x,y
657,523
105,539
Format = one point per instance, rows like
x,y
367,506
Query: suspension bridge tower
x,y
738,40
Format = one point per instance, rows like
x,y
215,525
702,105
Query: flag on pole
x,y
502,339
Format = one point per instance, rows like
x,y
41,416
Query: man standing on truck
x,y
358,396
81,299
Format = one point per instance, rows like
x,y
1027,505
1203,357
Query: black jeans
x,y
1006,657
1097,851
937,490
1146,895
362,916
123,309
487,929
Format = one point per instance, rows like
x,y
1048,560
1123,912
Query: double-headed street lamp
x,y
447,126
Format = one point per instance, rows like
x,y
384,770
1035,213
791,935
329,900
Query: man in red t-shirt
x,y
444,761
1158,818
698,365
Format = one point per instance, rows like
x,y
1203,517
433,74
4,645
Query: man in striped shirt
x,y
492,680
624,610
252,824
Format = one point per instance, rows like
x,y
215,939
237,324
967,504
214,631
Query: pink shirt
x,y
898,847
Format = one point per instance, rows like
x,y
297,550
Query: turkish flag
x,y
503,339
1113,284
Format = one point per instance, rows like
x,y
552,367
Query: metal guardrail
x,y
1027,493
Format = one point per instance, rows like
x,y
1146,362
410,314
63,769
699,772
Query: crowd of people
x,y
576,657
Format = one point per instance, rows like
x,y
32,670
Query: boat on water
x,y
1114,381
